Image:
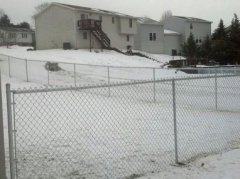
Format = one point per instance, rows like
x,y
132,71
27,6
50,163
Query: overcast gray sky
x,y
213,10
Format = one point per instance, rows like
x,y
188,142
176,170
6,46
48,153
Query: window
x,y
85,35
12,35
24,36
113,20
130,23
100,18
83,16
128,38
191,26
152,36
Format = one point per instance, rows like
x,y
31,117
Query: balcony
x,y
89,24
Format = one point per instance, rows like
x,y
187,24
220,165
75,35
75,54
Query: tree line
x,y
223,46
6,22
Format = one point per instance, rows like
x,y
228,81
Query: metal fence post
x,y
48,80
10,132
75,79
216,91
9,67
26,63
154,86
175,121
109,90
2,148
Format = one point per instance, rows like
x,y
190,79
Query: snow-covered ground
x,y
221,166
90,68
87,134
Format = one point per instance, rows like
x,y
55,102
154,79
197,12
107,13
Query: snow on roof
x,y
193,19
96,10
170,32
147,20
15,29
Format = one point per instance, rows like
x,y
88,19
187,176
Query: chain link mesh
x,y
123,131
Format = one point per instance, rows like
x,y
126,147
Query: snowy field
x,y
90,68
84,133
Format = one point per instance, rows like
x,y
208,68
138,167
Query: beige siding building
x,y
16,36
200,28
149,37
83,27
172,42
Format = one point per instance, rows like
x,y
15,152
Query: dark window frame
x,y
24,35
130,23
150,36
128,38
154,36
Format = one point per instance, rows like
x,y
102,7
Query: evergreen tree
x,y
24,25
220,32
234,39
220,44
190,47
5,21
206,48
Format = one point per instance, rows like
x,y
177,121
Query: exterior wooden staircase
x,y
95,28
102,38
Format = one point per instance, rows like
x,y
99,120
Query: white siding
x,y
175,24
142,41
54,27
112,30
199,30
182,26
28,39
172,42
125,28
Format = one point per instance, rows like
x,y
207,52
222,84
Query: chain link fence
x,y
122,130
84,74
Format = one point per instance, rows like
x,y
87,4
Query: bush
x,y
52,66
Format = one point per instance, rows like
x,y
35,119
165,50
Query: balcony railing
x,y
89,24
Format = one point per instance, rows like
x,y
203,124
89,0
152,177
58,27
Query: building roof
x,y
14,29
94,10
147,20
170,32
193,19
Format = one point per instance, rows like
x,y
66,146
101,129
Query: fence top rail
x,y
117,84
129,67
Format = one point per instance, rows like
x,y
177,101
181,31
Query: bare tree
x,y
6,38
1,12
166,14
41,7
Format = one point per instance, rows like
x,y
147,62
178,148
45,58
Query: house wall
x,y
17,39
177,25
138,38
21,40
172,41
112,30
125,28
59,24
199,30
142,41
54,27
